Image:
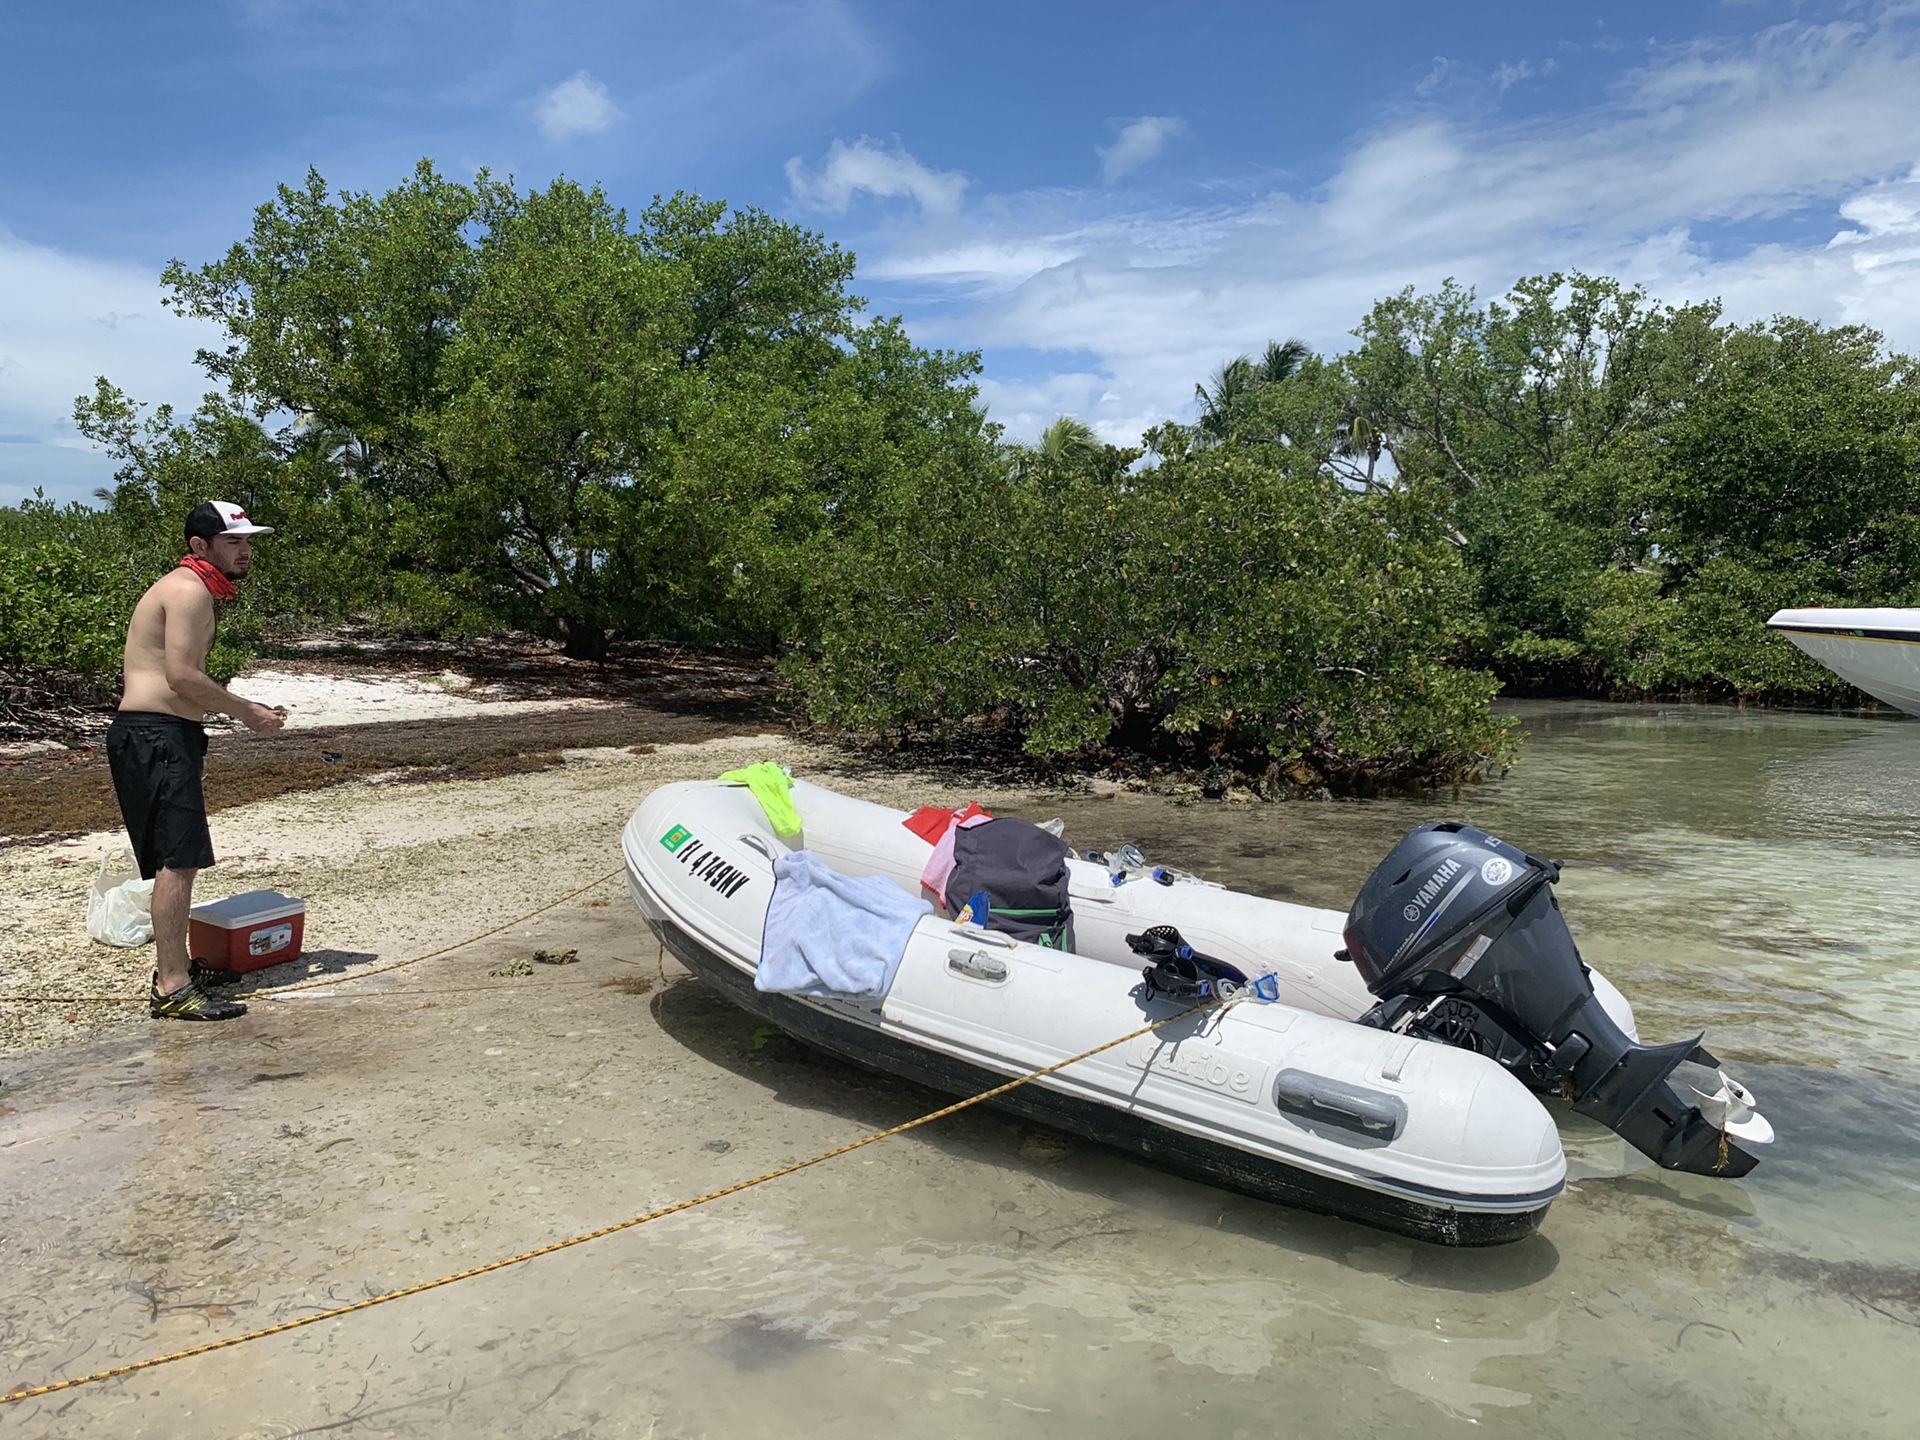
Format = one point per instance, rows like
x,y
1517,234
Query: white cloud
x,y
985,263
67,320
1506,76
1140,142
1026,407
578,105
1436,76
867,165
1868,273
1669,182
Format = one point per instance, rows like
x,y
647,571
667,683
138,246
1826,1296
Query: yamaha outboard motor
x,y
1459,935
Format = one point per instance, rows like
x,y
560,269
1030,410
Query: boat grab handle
x,y
982,937
762,844
1352,1107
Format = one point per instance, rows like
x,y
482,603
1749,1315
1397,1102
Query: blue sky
x,y
1105,200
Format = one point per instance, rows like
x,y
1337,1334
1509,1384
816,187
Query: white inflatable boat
x,y
1419,1120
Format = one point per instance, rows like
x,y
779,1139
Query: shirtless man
x,y
156,744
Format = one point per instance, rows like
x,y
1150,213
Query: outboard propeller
x,y
1460,937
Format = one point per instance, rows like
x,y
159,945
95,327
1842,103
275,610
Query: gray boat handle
x,y
977,965
1353,1107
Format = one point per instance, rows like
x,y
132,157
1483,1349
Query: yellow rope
x,y
305,985
444,949
34,1391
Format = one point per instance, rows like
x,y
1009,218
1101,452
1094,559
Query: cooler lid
x,y
250,907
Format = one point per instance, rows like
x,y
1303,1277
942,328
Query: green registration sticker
x,y
676,837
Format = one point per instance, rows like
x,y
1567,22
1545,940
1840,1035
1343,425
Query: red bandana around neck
x,y
210,575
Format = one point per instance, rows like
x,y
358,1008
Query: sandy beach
x,y
392,859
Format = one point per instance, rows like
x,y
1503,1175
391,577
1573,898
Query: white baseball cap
x,y
221,517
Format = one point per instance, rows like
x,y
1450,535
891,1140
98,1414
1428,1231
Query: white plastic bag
x,y
120,906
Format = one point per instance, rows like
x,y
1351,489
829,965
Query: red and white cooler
x,y
248,931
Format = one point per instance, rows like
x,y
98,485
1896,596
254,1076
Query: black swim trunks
x,y
156,761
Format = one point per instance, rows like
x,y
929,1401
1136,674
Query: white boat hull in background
x,y
1875,650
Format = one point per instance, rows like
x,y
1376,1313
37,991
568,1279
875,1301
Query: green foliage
x,y
466,407
54,611
1228,606
332,555
1637,487
567,419
1798,451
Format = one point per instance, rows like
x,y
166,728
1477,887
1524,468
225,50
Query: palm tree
x,y
1064,446
1282,360
1356,438
1068,443
1231,383
1240,377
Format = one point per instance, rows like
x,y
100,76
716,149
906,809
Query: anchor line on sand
x,y
35,1391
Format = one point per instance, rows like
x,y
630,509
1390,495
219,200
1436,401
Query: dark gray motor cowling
x,y
1459,935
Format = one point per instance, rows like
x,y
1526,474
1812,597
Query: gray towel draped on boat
x,y
833,934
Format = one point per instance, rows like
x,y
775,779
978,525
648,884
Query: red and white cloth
x,y
937,827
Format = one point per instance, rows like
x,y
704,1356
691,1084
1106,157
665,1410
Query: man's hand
x,y
263,719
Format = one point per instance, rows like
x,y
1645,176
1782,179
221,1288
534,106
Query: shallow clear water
x,y
1751,874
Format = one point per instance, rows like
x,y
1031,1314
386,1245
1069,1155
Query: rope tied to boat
x,y
35,1391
